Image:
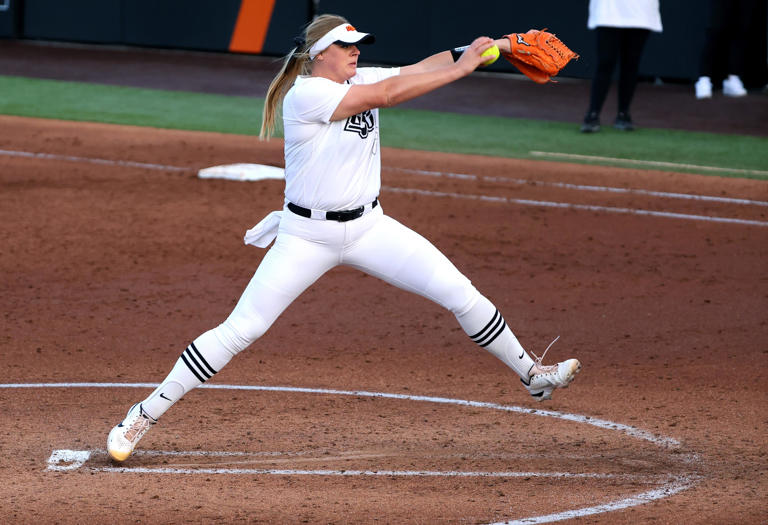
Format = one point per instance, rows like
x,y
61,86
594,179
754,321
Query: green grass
x,y
411,129
133,106
518,137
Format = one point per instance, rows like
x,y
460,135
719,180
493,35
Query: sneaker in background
x,y
704,88
623,122
591,123
732,87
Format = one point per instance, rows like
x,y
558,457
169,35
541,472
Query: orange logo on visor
x,y
350,28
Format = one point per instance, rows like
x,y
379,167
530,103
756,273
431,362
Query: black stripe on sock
x,y
479,334
191,368
491,331
202,359
194,361
483,340
495,335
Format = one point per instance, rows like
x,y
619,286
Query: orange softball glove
x,y
538,54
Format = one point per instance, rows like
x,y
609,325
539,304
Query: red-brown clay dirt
x,y
109,270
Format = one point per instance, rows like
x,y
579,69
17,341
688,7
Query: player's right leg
x,y
288,268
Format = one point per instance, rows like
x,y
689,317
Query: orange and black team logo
x,y
362,123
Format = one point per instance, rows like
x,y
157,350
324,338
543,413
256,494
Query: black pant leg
x,y
631,49
607,40
716,35
742,18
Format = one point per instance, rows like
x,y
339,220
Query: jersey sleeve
x,y
371,75
316,100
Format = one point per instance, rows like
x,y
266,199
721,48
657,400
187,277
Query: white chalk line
x,y
587,207
75,459
679,485
582,187
600,423
64,459
653,163
522,202
213,453
91,160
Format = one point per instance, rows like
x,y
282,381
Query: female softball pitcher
x,y
332,215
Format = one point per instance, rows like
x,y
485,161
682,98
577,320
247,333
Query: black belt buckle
x,y
345,215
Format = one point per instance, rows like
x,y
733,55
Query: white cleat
x,y
545,379
543,383
126,435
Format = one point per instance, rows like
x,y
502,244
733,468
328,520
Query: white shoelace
x,y
138,428
545,368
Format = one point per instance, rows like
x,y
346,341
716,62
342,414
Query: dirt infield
x,y
115,255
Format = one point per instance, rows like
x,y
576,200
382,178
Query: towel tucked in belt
x,y
265,232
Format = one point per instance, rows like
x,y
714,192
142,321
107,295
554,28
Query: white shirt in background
x,y
641,14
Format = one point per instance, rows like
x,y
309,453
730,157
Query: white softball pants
x,y
305,249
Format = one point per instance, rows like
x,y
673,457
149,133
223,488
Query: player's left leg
x,y
402,257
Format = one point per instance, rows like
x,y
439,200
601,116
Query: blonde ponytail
x,y
293,65
296,63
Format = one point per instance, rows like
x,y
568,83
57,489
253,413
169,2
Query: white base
x,y
243,172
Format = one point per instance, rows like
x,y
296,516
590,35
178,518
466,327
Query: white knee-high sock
x,y
485,325
200,361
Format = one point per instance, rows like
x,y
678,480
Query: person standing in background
x,y
727,33
622,28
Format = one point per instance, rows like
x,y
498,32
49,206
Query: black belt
x,y
338,216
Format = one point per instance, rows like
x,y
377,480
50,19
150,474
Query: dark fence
x,y
406,30
246,26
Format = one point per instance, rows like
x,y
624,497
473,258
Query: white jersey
x,y
640,14
331,165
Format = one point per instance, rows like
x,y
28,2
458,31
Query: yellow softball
x,y
492,52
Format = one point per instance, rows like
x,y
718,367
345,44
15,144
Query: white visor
x,y
341,33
